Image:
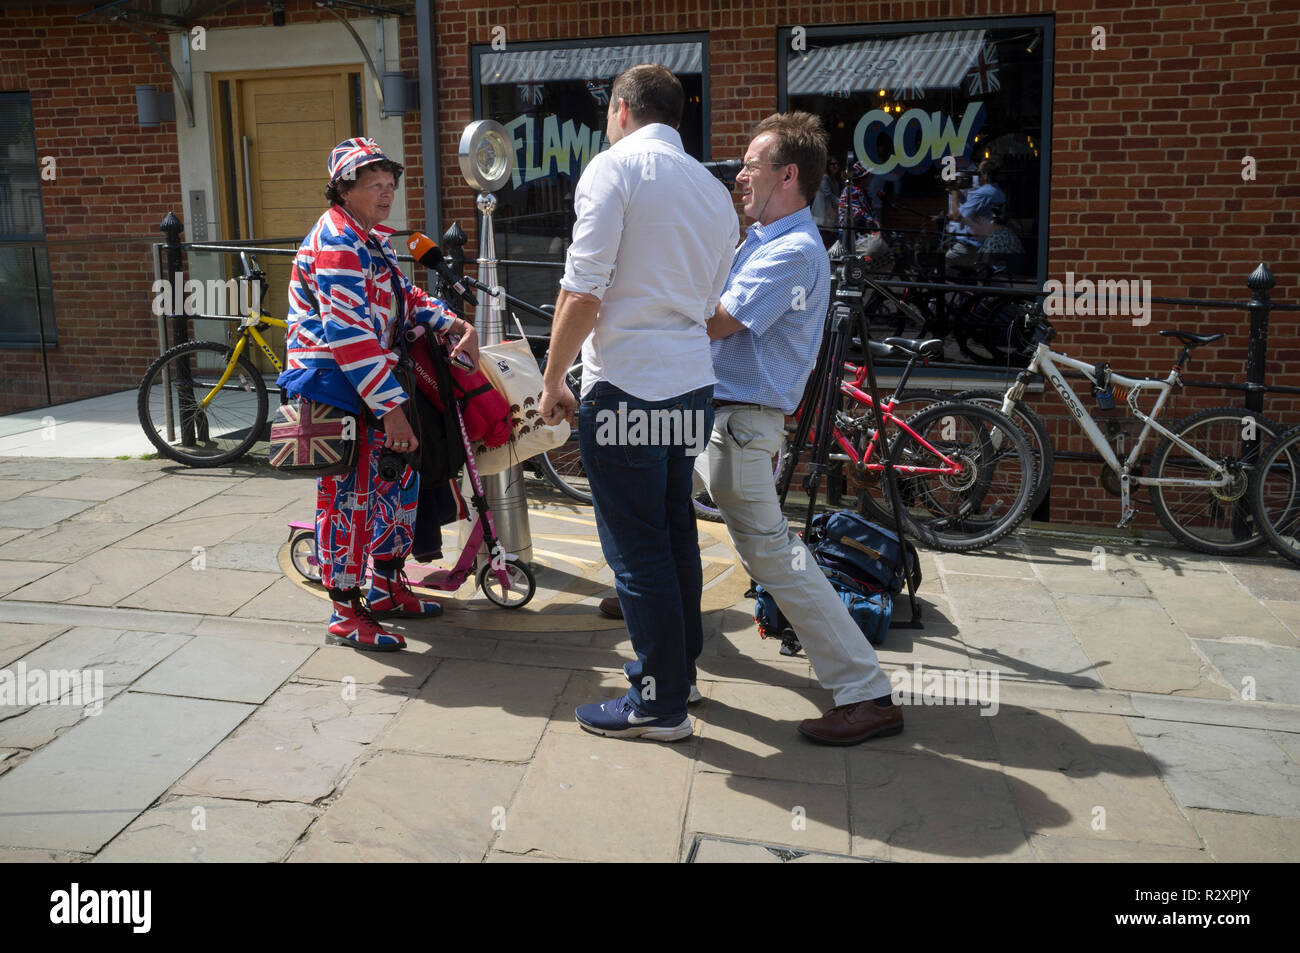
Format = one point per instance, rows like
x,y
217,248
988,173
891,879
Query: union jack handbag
x,y
309,438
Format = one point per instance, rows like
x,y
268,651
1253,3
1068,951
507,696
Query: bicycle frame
x,y
249,327
1045,362
886,412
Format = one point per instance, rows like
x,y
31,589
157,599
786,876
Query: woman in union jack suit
x,y
347,300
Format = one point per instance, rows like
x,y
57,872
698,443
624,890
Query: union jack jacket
x,y
341,312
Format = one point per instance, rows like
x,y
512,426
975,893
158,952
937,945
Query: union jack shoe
x,y
353,624
390,594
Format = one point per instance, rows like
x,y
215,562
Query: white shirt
x,y
654,240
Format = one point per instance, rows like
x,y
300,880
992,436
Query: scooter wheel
x,y
521,579
302,553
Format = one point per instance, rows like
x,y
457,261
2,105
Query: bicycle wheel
x,y
189,418
1275,494
563,465
1215,520
1035,431
965,476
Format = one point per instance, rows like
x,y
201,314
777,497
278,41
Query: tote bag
x,y
514,372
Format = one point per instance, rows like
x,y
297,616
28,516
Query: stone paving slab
x,y
252,557
68,542
750,730
180,533
479,710
298,746
795,814
15,575
1217,609
904,809
1248,838
44,468
228,832
1226,769
19,638
225,669
1081,850
1274,671
115,656
1083,775
1039,651
1269,580
208,591
1011,600
1137,647
11,489
157,500
286,600
1288,613
84,787
403,808
29,512
563,806
104,578
93,488
1207,711
387,671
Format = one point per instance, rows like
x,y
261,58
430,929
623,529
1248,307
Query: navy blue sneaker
x,y
617,718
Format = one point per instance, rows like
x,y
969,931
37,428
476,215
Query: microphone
x,y
724,170
425,250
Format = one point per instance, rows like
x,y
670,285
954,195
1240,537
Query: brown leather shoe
x,y
853,724
611,607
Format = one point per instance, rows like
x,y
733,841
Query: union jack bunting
x,y
912,87
599,92
983,75
315,437
530,94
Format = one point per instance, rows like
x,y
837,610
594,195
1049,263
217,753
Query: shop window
x,y
24,268
552,99
919,106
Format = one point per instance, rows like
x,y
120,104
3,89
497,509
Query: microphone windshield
x,y
424,250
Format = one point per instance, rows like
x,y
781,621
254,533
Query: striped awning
x,y
586,62
917,62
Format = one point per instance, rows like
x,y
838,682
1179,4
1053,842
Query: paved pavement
x,y
1147,704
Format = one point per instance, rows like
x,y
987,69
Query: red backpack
x,y
485,412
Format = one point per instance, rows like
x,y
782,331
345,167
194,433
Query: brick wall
x,y
1148,137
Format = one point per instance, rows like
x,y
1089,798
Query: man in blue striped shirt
x,y
766,332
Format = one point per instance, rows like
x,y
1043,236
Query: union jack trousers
x,y
360,516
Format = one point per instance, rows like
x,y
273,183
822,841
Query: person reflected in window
x,y
972,213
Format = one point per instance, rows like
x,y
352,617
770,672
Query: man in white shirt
x,y
652,246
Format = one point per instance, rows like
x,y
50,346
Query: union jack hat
x,y
350,155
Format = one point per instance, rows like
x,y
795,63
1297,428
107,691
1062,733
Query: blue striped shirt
x,y
778,288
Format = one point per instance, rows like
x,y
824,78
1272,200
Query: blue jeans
x,y
641,488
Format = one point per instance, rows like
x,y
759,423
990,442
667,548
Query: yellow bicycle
x,y
203,403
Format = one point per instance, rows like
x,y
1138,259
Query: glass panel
x,y
920,110
553,103
23,275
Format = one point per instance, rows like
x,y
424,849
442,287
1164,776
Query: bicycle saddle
x,y
920,348
1190,339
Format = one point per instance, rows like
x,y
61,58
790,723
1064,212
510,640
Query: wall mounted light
x,y
401,95
153,107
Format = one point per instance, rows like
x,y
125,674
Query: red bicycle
x,y
965,472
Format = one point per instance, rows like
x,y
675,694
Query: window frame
x,y
1046,23
44,320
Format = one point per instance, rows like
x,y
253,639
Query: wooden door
x,y
282,128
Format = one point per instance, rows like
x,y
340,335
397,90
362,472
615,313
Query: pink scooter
x,y
504,579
